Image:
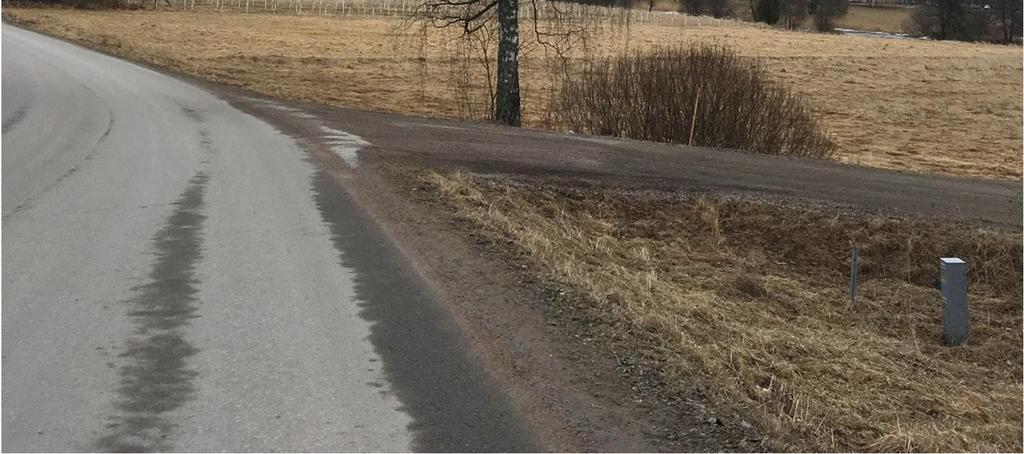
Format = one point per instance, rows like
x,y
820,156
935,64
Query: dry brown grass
x,y
940,107
889,20
749,300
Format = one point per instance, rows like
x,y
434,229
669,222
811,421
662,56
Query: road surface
x,y
491,149
177,275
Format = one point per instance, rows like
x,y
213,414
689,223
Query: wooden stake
x,y
693,120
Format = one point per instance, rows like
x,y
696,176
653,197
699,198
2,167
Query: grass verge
x,y
747,299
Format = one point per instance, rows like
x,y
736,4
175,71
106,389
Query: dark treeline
x,y
997,21
968,20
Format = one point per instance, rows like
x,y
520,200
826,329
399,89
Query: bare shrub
x,y
693,7
921,22
728,101
720,8
767,11
793,13
826,12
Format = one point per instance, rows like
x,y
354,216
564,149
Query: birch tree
x,y
554,26
474,15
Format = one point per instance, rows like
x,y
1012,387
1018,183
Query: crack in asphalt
x,y
156,379
67,173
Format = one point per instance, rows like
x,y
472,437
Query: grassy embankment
x,y
748,300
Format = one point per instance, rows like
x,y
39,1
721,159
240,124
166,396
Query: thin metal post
x,y
854,267
955,320
693,119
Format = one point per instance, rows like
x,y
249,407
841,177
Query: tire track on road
x,y
156,378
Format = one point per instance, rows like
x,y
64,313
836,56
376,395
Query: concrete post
x,y
955,321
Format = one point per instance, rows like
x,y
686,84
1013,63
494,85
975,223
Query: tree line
x,y
969,20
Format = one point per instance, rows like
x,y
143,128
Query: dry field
x,y
889,20
938,107
747,300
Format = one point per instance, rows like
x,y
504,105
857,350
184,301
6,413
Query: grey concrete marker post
x,y
955,321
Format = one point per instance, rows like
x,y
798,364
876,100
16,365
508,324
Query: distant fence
x,y
885,2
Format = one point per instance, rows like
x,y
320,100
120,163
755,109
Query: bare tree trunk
x,y
506,108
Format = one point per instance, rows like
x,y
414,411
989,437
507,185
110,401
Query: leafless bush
x,y
704,94
720,8
693,7
826,12
793,13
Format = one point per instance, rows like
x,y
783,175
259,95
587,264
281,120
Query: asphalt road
x,y
177,275
491,149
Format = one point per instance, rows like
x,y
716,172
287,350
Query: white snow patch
x,y
851,32
274,105
292,110
344,144
404,124
256,100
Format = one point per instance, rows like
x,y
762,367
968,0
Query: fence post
x,y
955,321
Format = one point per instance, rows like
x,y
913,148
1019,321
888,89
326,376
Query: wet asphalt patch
x,y
455,405
156,378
